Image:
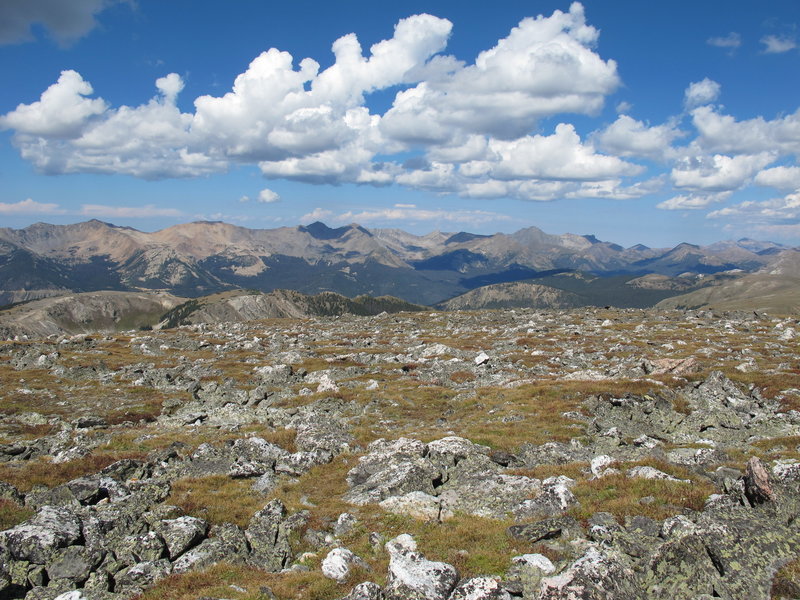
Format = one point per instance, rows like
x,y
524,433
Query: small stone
x,y
756,483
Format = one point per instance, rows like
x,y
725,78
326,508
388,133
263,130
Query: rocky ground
x,y
529,454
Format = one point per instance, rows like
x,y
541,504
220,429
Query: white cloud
x,y
701,92
560,156
774,44
244,199
408,214
777,211
61,112
66,20
623,107
733,40
693,201
29,207
318,214
718,173
544,67
267,196
302,123
128,212
170,86
723,133
782,178
631,138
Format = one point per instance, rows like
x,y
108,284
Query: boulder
x,y
38,538
480,588
269,538
339,564
412,577
181,534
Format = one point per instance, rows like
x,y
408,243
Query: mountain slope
x,y
243,305
86,313
775,289
518,294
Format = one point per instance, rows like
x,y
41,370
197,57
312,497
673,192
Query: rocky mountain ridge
x,y
97,312
195,259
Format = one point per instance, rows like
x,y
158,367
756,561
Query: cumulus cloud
x,y
775,44
128,212
723,133
732,41
718,173
29,207
558,156
631,138
61,112
65,20
545,66
693,201
267,196
782,178
474,122
700,93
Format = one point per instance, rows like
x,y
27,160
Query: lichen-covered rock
x,y
544,530
480,588
74,563
488,495
143,547
599,574
269,538
447,452
181,534
141,575
397,476
418,505
412,577
525,574
38,538
365,591
205,554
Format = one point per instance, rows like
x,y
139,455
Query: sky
x,y
637,122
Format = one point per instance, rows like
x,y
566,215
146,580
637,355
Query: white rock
x,y
482,359
540,561
73,595
418,505
411,575
339,563
402,543
480,588
601,463
651,473
326,384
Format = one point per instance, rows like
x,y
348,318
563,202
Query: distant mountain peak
x,y
463,236
320,231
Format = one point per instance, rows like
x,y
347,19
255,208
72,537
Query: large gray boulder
x,y
38,538
268,534
181,534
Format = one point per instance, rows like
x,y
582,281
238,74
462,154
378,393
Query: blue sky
x,y
634,121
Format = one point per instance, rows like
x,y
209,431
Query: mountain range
x,y
201,258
